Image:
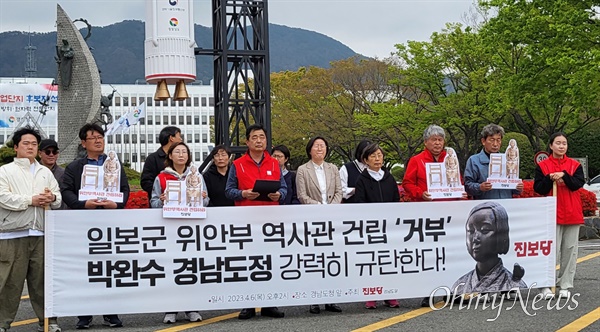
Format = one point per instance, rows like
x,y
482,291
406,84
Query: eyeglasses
x,y
278,156
49,152
94,138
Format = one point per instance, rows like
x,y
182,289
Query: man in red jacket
x,y
415,176
255,164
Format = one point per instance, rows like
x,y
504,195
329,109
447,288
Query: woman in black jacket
x,y
376,185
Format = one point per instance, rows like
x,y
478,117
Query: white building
x,y
193,116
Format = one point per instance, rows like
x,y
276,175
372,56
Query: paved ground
x,y
580,313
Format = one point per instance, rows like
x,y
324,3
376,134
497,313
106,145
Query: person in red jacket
x,y
567,175
255,164
415,176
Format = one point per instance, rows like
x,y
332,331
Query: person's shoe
x,y
194,316
425,302
547,293
371,305
392,303
2,329
170,318
247,313
564,293
314,309
333,307
51,328
272,312
112,321
84,323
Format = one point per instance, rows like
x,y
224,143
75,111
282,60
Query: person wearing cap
x,y
48,154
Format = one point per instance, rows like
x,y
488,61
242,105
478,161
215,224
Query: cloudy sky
x,y
369,27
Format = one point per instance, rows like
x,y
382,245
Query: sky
x,y
368,27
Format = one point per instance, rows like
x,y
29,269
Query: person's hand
x,y
107,204
485,186
275,196
426,196
465,195
520,186
40,200
92,204
204,194
162,197
556,176
249,194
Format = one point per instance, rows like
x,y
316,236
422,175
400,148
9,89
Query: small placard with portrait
x,y
102,182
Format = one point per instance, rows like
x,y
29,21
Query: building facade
x,y
194,116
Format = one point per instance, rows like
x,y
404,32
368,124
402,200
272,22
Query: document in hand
x,y
265,187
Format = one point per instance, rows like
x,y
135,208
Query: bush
x,y
137,200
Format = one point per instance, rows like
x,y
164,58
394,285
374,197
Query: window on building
x,y
157,119
181,120
1,139
166,120
126,139
149,101
197,156
143,157
180,103
118,140
189,138
188,119
150,138
150,120
125,101
117,101
109,139
134,138
142,121
188,102
142,138
204,138
196,138
196,119
196,101
211,101
204,120
204,155
156,139
173,120
52,136
134,158
203,101
133,101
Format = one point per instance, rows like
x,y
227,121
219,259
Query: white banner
x,y
18,99
135,261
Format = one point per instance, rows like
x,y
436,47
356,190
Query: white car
x,y
594,186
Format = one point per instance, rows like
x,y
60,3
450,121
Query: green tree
x,y
546,57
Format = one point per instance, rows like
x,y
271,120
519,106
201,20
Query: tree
x,y
546,60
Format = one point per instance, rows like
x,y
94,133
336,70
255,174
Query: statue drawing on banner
x,y
503,170
102,182
488,237
112,172
443,179
193,183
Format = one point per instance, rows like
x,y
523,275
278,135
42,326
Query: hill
x,y
119,51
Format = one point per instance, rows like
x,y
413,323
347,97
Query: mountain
x,y
119,51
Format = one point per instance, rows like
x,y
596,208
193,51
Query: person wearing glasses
x,y
92,140
48,154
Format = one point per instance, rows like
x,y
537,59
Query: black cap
x,y
48,143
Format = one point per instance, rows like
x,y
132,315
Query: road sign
x,y
540,156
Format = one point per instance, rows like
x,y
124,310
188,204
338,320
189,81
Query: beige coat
x,y
307,184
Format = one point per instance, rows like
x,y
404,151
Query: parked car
x,y
594,186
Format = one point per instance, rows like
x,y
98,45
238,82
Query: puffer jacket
x,y
17,188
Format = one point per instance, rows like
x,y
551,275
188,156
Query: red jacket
x,y
247,172
569,209
415,177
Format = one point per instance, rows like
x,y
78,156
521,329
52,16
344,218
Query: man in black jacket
x,y
155,162
92,140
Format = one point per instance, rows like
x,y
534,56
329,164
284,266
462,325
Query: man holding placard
x,y
477,168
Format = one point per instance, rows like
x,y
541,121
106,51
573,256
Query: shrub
x,y
137,200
